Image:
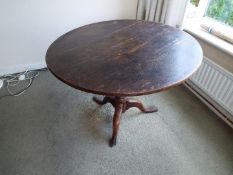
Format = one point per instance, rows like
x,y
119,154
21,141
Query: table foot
x,y
121,105
130,103
112,142
104,101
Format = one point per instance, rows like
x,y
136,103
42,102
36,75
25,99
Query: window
x,y
195,2
212,16
221,10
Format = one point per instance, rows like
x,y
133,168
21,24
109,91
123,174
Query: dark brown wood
x,y
104,101
130,103
116,120
124,58
122,104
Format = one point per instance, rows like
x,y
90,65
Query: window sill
x,y
194,29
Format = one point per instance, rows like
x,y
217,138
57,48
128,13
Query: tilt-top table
x,y
124,58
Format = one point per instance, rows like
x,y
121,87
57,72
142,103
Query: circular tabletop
x,y
124,57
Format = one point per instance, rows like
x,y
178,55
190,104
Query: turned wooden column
x,y
122,104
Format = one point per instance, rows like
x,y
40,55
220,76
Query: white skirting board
x,y
21,68
215,85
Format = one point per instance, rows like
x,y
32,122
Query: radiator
x,y
216,82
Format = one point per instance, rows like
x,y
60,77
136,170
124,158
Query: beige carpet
x,y
53,129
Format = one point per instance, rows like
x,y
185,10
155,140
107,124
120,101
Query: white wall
x,y
28,27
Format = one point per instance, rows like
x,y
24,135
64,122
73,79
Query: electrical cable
x,y
13,81
21,91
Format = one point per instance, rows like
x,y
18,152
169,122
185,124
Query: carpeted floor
x,y
54,129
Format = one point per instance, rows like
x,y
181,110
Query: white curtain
x,y
169,12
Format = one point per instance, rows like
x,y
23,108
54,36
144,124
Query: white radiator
x,y
216,82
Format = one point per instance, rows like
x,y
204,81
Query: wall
x,y
28,27
218,56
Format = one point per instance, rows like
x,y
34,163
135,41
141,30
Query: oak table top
x,y
123,58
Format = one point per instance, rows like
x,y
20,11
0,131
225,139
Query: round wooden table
x,y
124,58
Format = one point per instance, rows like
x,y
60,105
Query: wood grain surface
x,y
124,57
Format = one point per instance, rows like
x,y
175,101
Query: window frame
x,y
202,9
207,28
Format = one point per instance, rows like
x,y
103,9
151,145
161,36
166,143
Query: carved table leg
x,y
116,121
121,105
130,103
104,101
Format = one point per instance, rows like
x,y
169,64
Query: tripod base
x,y
122,104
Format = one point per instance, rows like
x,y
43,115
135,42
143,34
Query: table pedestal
x,y
122,104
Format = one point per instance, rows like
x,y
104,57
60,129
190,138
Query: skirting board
x,y
21,68
217,109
